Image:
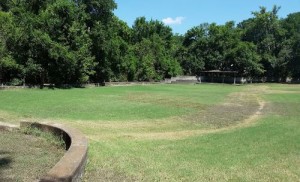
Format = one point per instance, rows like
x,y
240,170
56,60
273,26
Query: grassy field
x,y
200,132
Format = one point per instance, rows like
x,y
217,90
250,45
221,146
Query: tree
x,y
152,42
244,59
291,25
265,31
50,42
116,49
79,41
9,68
192,54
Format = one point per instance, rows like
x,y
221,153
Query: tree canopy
x,y
81,41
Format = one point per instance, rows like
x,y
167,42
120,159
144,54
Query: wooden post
x,y
234,79
1,75
223,78
200,78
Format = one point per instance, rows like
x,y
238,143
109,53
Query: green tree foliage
x,y
8,65
265,31
292,25
116,49
192,53
66,38
100,23
49,42
244,59
218,47
80,41
152,43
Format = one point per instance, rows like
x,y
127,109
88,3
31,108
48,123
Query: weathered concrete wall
x,y
182,79
71,166
7,127
129,83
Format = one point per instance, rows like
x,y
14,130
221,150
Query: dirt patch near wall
x,y
26,157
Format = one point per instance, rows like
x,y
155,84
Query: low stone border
x,y
7,127
71,166
130,83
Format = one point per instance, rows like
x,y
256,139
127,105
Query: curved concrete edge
x,y
71,166
7,127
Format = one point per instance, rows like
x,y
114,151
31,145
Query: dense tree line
x,y
81,41
262,46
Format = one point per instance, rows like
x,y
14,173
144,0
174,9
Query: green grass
x,y
267,152
201,132
109,103
47,136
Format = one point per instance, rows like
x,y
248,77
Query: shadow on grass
x,y
5,161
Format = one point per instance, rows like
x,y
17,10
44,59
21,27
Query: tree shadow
x,y
5,161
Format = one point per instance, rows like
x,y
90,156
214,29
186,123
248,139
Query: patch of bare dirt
x,y
236,108
188,133
240,110
26,157
282,92
164,101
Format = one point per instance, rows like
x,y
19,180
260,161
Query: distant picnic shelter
x,y
218,74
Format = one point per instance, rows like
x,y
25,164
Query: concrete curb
x,y
8,127
71,166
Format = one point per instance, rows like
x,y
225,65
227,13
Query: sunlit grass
x,y
110,103
176,132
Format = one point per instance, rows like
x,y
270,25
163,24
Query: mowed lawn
x,y
205,132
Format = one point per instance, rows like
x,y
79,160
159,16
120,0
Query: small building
x,y
219,76
212,76
182,79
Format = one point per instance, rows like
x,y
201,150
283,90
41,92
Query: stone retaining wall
x,y
182,79
129,83
7,127
4,128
